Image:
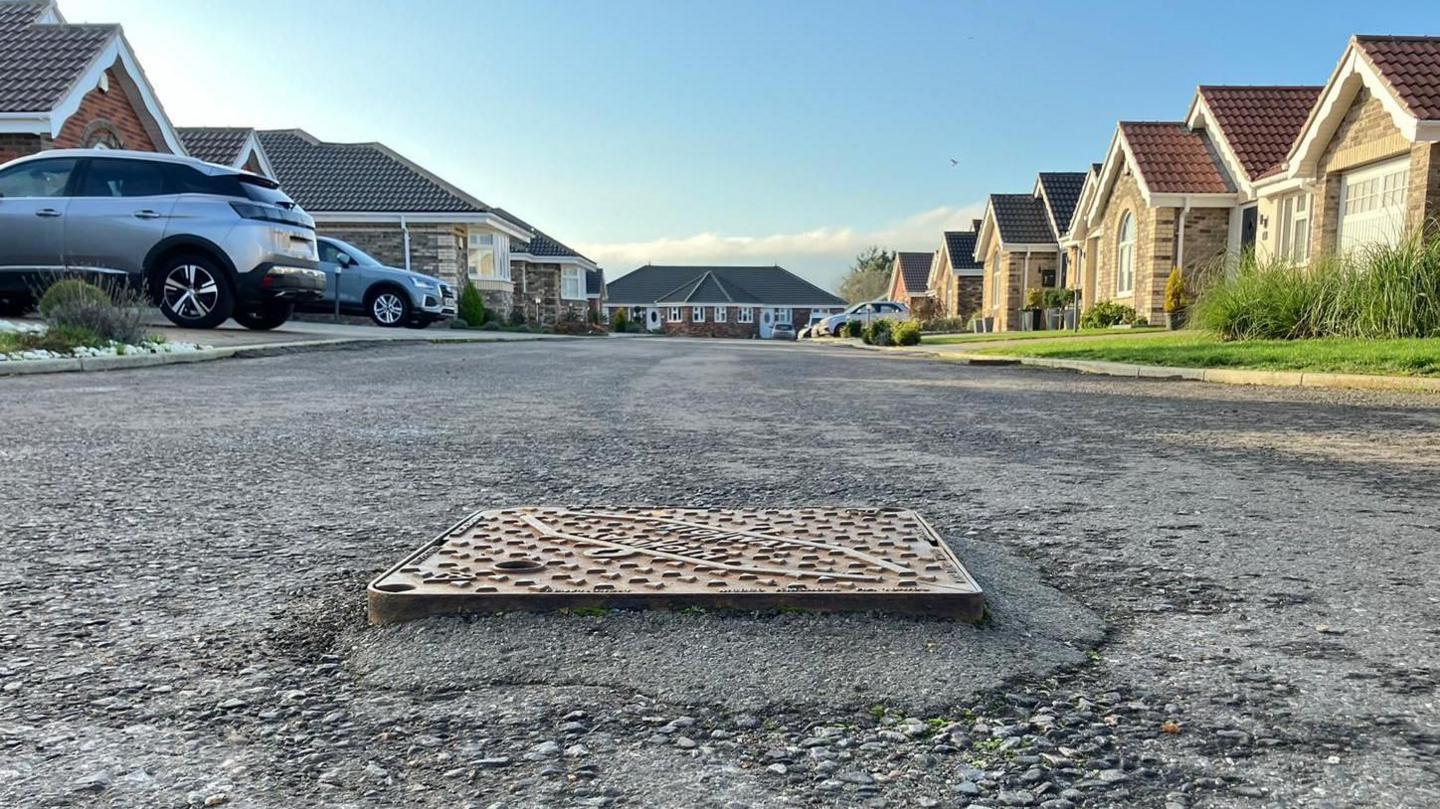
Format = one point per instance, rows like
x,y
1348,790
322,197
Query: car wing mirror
x,y
344,260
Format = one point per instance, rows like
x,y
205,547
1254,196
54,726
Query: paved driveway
x,y
1201,595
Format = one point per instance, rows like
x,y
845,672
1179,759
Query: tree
x,y
869,276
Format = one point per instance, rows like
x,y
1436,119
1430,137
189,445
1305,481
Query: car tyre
x,y
194,292
18,306
388,308
265,316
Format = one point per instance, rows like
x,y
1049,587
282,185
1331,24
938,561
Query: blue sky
x,y
737,131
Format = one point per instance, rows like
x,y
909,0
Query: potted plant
x,y
1177,299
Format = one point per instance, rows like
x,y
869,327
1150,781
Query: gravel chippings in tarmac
x,y
1200,596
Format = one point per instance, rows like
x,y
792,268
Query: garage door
x,y
1372,204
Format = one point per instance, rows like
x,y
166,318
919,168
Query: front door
x,y
32,221
1248,228
767,322
652,319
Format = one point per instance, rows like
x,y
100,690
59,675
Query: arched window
x,y
1125,256
101,134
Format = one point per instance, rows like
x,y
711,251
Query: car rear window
x,y
186,180
264,190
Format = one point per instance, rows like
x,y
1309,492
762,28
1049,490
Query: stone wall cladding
x,y
542,281
435,249
968,297
115,114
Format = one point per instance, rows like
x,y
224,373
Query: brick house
x,y
1364,167
392,208
236,147
1081,243
718,301
909,280
956,278
66,86
551,280
1163,199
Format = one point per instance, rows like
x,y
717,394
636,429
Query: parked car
x,y
782,331
867,312
389,296
205,242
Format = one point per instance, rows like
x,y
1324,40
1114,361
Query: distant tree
x,y
869,276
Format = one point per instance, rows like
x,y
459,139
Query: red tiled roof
x,y
1260,123
1412,67
1173,159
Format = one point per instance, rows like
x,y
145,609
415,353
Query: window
x,y
122,178
41,178
675,316
721,313
481,255
745,314
1125,256
697,314
572,283
782,314
1295,228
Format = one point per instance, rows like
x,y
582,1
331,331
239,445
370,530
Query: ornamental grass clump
x,y
81,308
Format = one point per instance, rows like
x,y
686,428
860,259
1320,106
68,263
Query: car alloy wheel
x,y
387,309
191,292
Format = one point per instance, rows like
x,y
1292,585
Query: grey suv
x,y
205,242
390,296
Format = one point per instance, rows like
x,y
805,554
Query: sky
x,y
739,132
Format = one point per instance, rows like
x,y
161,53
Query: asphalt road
x,y
1201,595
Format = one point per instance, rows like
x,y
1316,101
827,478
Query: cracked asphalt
x,y
1201,595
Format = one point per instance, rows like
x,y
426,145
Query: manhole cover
x,y
552,558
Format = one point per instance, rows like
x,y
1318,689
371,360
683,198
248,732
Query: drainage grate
x,y
824,559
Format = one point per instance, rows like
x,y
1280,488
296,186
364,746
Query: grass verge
x,y
1341,355
954,339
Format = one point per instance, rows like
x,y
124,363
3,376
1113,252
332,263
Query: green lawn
x,y
1406,357
953,339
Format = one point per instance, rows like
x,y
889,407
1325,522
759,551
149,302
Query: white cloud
x,y
821,255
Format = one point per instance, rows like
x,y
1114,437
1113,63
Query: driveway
x,y
1201,596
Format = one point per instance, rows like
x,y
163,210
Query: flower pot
x,y
1176,320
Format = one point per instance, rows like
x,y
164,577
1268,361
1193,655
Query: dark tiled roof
x,y
1062,192
960,244
765,286
915,269
1174,159
39,63
1021,219
1260,123
1412,67
540,244
358,177
215,144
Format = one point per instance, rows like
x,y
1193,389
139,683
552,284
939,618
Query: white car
x,y
866,313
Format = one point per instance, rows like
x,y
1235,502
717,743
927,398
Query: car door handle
x,y
48,213
146,214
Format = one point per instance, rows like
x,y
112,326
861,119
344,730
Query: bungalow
x,y
1019,245
956,278
236,147
551,280
909,280
73,86
395,210
1365,166
718,301
1081,243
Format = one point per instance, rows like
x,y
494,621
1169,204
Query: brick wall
x,y
1365,134
1154,242
1004,301
109,118
18,145
1423,201
732,328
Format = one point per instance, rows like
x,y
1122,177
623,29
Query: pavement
x,y
1201,596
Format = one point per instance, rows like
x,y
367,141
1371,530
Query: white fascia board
x,y
576,261
253,146
24,123
970,272
1042,247
499,223
1353,72
117,49
1115,158
987,227
1195,200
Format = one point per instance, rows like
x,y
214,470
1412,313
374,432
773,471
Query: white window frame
x,y
1295,212
675,315
697,314
783,314
1125,256
721,314
745,314
478,242
572,283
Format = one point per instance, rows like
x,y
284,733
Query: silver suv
x,y
389,295
205,242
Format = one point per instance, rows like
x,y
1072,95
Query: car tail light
x,y
273,213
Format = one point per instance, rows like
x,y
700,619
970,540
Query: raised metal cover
x,y
552,558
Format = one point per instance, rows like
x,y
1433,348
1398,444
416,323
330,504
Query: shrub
x,y
907,333
945,325
71,292
854,328
1105,314
1177,294
517,316
489,325
471,306
116,315
879,333
619,321
1058,297
1140,321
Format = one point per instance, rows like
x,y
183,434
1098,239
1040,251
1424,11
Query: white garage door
x,y
1372,204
